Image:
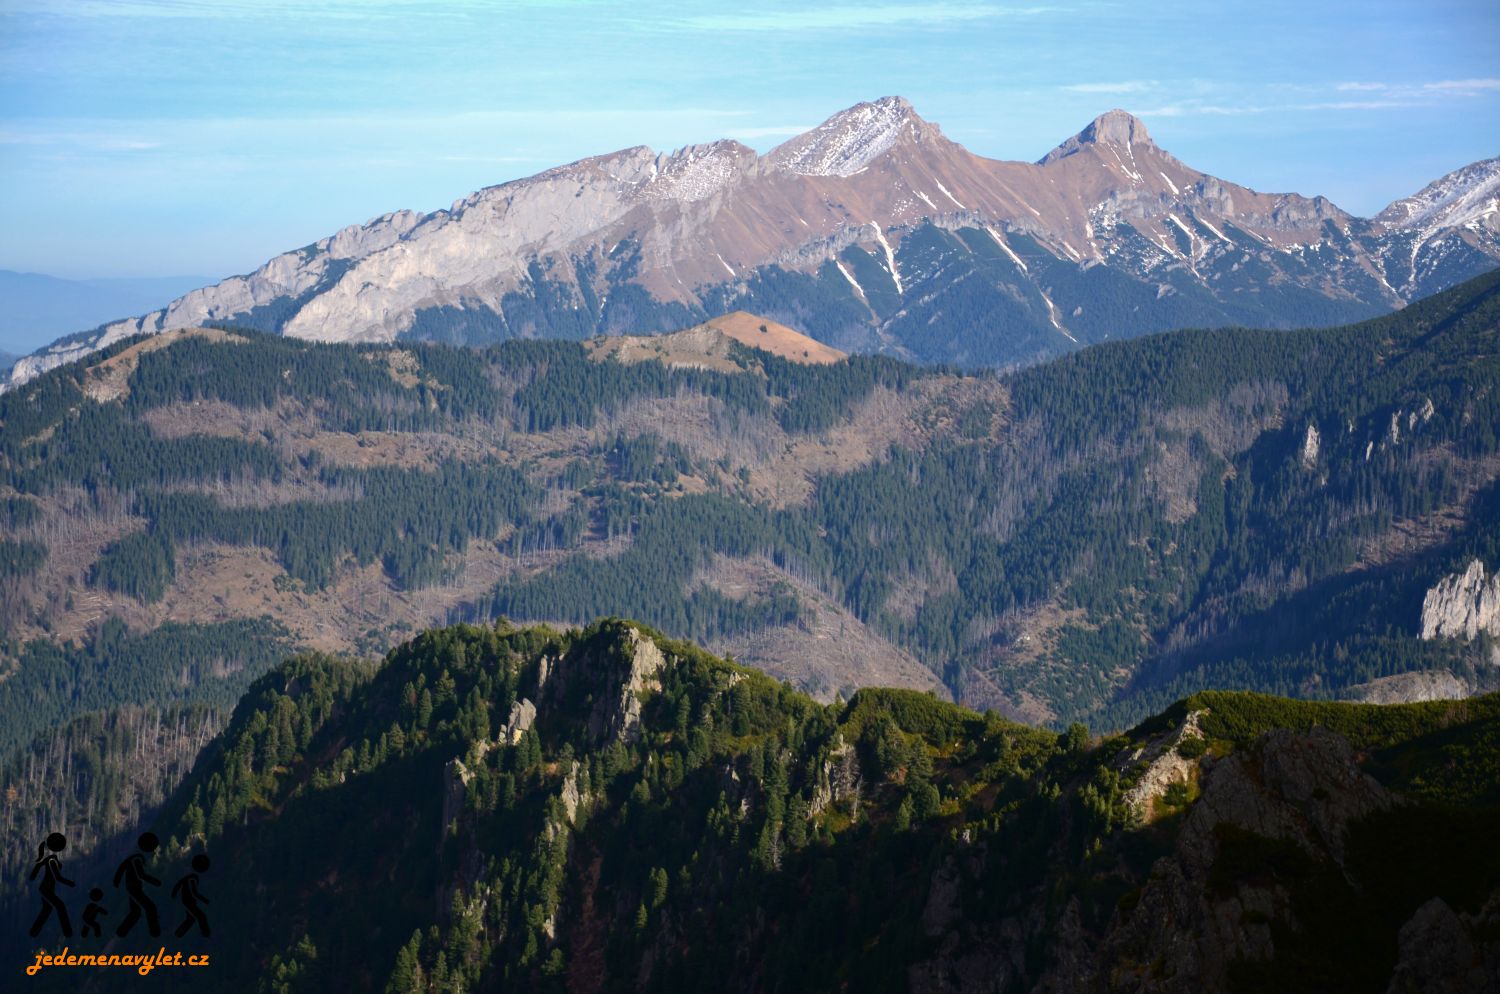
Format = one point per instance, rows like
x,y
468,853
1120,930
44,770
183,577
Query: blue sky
x,y
155,137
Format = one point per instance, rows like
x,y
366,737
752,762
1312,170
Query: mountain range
x,y
873,232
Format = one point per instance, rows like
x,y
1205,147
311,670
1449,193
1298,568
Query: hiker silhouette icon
x,y
186,890
133,871
50,867
92,912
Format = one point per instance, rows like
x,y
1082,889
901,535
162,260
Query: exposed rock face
x,y
850,140
617,713
1463,605
695,228
1168,766
989,961
522,717
839,780
1407,688
456,777
575,796
1189,923
1310,446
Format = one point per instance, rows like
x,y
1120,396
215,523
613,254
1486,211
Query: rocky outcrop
x,y
617,711
1463,605
968,956
838,780
1183,932
1311,443
1442,952
574,795
1408,688
522,717
456,776
1166,765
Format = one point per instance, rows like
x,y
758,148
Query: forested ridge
x,y
1088,539
498,807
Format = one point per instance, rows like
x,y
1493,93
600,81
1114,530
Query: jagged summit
x,y
1113,127
695,172
851,139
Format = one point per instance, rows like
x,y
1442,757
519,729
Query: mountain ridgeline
x,y
873,232
500,808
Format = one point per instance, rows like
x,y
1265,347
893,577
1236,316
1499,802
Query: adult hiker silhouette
x,y
133,870
188,888
46,860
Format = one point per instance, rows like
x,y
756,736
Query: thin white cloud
x,y
1124,86
458,137
1364,96
1456,86
1221,110
1464,85
857,16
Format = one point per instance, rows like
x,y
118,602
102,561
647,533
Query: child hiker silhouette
x,y
188,888
46,859
92,912
133,870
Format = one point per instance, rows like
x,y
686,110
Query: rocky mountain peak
x,y
851,139
1118,126
1464,197
1113,127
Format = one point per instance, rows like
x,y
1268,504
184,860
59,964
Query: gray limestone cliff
x,y
1463,605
